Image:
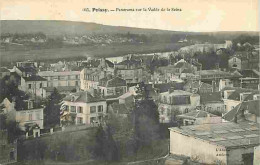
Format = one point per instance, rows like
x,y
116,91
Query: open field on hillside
x,y
86,51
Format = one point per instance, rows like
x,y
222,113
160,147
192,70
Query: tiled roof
x,y
236,94
114,82
60,88
27,69
84,97
252,107
164,87
196,114
249,73
34,78
65,73
177,93
225,134
210,97
129,62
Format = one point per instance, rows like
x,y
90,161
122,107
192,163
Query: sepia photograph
x,y
129,82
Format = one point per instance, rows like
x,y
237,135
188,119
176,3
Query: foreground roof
x,y
227,134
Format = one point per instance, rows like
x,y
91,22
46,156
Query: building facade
x,y
176,102
64,78
84,108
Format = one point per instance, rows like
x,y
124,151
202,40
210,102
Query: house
x,y
25,71
28,114
235,62
27,64
213,76
4,72
83,108
222,143
250,79
33,85
89,78
247,110
234,96
174,102
8,150
212,103
109,86
47,91
198,87
61,79
199,117
180,68
130,70
225,83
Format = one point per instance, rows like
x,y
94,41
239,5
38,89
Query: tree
x,y
100,143
146,122
105,146
12,127
52,109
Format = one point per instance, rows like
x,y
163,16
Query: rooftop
x,y
196,114
113,82
64,73
226,134
177,93
252,107
60,88
83,96
210,97
34,78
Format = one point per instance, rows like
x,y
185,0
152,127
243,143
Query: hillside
x,y
57,28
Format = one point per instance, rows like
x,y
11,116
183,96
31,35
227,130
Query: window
x,y
79,120
100,108
40,85
93,109
186,110
77,83
72,109
80,110
30,116
30,86
99,118
209,109
235,60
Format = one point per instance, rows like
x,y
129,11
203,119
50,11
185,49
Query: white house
x,y
83,108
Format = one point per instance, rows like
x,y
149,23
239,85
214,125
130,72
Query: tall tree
x,y
146,122
52,109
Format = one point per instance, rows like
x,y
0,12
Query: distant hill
x,y
70,28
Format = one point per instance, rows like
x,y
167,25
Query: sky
x,y
196,15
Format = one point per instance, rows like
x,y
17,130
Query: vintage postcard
x,y
120,82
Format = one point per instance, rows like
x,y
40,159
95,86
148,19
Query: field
x,y
76,52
